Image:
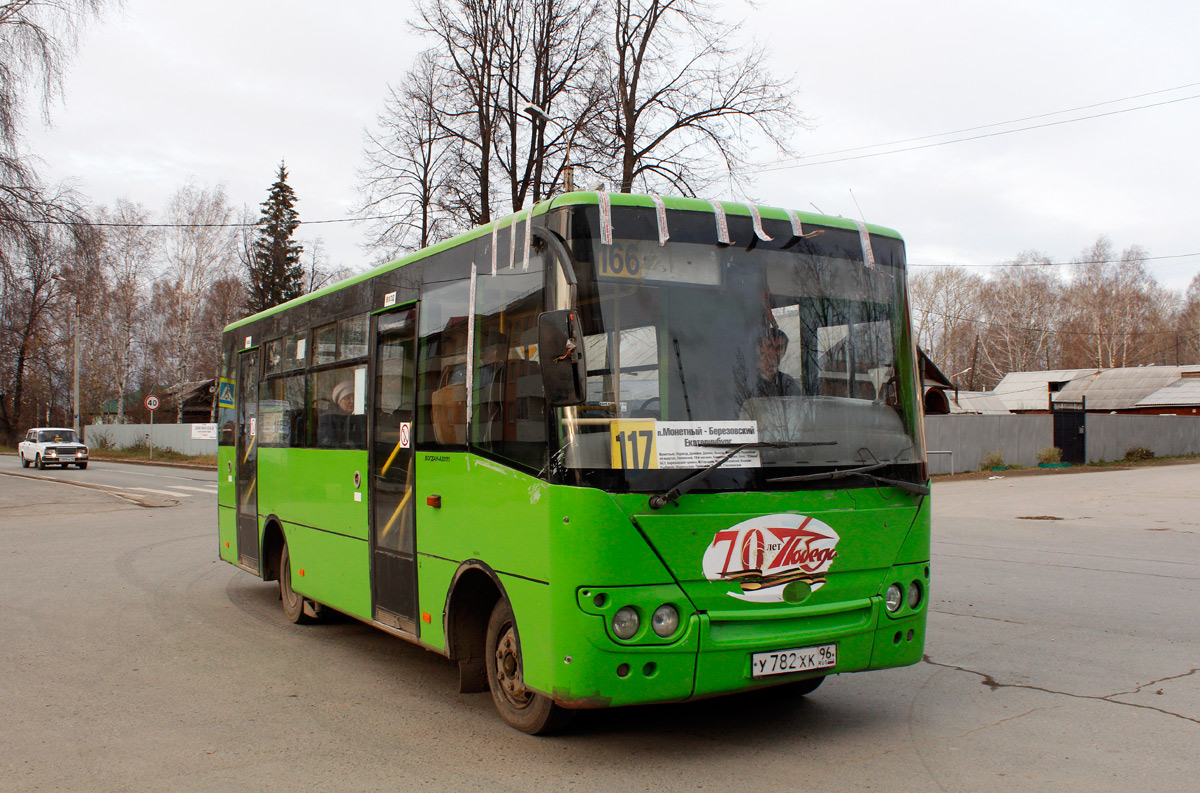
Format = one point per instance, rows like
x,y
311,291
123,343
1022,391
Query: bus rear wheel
x,y
293,602
521,708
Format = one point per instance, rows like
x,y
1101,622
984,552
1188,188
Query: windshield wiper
x,y
658,501
865,471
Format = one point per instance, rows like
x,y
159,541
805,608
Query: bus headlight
x,y
893,598
914,595
626,622
665,620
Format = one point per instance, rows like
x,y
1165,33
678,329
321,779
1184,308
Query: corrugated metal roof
x,y
985,402
1030,390
1182,392
1119,389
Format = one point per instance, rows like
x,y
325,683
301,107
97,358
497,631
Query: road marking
x,y
161,492
197,489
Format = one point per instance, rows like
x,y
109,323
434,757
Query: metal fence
x,y
177,437
966,440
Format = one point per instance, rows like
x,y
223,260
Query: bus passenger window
x,y
442,368
340,407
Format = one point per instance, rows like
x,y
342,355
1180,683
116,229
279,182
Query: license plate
x,y
802,659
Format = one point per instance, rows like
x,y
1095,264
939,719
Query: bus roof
x,y
581,198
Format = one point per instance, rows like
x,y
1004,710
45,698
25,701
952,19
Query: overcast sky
x,y
220,91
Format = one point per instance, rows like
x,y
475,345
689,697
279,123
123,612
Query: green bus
x,y
610,450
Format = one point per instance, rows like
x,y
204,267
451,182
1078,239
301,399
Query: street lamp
x,y
538,114
75,398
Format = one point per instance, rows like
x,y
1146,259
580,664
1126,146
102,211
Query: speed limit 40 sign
x,y
152,403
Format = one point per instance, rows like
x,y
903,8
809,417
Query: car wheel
x,y
82,466
293,602
526,710
40,463
24,462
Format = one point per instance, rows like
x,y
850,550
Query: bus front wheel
x,y
293,602
526,710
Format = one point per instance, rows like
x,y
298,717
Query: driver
x,y
770,346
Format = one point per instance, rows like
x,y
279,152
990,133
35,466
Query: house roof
x,y
981,402
1183,392
1029,390
1120,389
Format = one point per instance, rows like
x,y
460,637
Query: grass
x,y
160,456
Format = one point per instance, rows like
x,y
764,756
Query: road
x,y
135,482
1062,656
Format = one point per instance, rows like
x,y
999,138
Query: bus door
x,y
247,460
393,542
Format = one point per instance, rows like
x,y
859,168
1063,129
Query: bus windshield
x,y
695,349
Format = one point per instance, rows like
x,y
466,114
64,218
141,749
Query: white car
x,y
52,446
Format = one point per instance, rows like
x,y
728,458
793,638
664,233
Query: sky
x,y
159,93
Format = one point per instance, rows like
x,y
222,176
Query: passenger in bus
x,y
343,396
770,346
333,427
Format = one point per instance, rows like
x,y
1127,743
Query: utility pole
x,y
75,402
974,361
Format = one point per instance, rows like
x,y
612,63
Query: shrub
x,y
1051,454
1137,454
993,460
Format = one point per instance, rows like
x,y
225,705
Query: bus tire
x,y
803,688
521,708
293,602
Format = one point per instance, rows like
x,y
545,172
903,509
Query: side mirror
x,y
560,349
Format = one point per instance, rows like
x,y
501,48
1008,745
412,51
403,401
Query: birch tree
x,y
199,247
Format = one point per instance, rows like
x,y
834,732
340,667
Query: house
x,y
1100,390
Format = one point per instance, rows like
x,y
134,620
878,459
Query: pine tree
x,y
275,272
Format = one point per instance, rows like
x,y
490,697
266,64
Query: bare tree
x,y
551,56
1115,309
685,104
408,160
130,249
468,33
946,312
1020,305
199,250
1187,326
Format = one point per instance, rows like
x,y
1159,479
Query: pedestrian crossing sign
x,y
225,394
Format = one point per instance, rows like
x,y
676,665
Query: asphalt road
x,y
1062,656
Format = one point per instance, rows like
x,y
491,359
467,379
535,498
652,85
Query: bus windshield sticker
x,y
606,228
640,444
528,237
495,233
758,226
772,558
865,237
660,211
512,243
722,223
797,226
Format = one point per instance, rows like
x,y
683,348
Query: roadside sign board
x,y
152,403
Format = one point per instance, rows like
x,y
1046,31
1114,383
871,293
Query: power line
x,y
1060,264
1000,123
972,137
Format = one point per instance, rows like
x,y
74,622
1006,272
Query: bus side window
x,y
509,403
442,394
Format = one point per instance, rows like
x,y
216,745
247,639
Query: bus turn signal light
x,y
434,501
